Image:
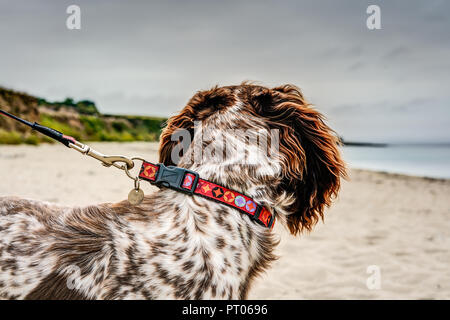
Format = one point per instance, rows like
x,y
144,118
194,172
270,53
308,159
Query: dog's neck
x,y
236,160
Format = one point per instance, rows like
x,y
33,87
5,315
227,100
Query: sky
x,y
150,57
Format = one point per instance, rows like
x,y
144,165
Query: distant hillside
x,y
362,144
80,119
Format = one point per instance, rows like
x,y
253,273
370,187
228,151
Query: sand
x,y
386,237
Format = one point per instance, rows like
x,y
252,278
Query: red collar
x,y
187,181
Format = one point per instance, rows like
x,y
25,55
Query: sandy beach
x,y
394,224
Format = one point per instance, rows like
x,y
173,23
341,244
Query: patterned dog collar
x,y
188,181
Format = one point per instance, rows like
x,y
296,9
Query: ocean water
x,y
417,160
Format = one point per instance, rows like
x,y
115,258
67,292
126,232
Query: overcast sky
x,y
148,57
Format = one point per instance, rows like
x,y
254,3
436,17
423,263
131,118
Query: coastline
x,y
429,161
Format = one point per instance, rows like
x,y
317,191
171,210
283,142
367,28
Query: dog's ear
x,y
311,163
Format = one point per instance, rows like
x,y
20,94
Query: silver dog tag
x,y
135,196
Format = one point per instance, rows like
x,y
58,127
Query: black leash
x,y
120,162
49,132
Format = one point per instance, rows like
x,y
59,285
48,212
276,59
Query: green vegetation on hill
x,y
117,128
81,120
82,106
14,137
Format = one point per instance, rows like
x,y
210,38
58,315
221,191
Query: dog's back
x,y
42,244
24,240
115,251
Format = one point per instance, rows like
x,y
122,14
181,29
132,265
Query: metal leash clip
x,y
136,195
107,161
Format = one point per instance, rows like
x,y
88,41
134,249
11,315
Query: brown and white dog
x,y
174,245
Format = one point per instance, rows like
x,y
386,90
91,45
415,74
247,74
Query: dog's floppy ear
x,y
311,162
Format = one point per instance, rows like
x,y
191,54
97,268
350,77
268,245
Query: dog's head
x,y
310,165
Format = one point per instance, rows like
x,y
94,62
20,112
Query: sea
x,y
417,160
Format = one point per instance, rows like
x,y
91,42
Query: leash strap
x,y
188,181
49,132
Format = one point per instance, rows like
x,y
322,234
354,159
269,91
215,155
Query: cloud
x,y
396,53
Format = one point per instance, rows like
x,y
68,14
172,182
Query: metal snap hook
x,y
127,171
137,183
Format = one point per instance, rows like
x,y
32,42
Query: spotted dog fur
x,y
172,245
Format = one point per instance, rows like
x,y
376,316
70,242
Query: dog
x,y
176,245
